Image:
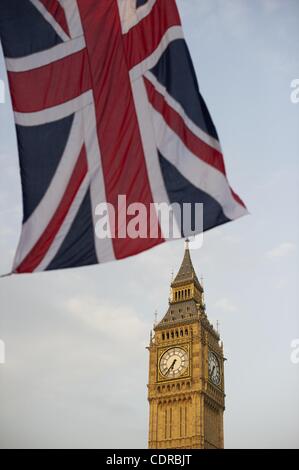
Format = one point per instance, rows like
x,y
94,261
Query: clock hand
x,y
171,367
212,371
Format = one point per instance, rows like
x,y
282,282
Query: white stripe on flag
x,y
199,173
40,59
73,17
157,185
130,16
54,114
178,108
172,34
104,247
49,18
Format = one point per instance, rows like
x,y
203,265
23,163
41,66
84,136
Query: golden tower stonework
x,y
186,371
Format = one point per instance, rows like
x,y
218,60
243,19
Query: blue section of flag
x,y
181,191
40,149
139,3
176,73
23,30
78,247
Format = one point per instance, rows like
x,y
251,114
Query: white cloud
x,y
117,322
226,305
284,249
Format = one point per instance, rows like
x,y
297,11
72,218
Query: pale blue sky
x,y
76,340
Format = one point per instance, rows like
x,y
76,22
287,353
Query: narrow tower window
x,y
165,424
181,422
186,417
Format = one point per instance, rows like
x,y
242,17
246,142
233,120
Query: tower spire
x,y
186,294
186,273
170,290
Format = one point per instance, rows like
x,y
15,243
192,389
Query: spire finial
x,y
187,241
170,289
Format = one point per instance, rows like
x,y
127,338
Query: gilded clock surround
x,y
162,351
186,411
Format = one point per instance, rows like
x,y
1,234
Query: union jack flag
x,y
106,103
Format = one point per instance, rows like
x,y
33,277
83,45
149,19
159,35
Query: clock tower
x,y
186,371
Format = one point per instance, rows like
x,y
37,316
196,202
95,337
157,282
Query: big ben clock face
x,y
214,369
174,363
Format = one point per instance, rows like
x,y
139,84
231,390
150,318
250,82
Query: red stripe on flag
x,y
37,254
50,85
123,160
237,198
56,10
196,146
144,38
